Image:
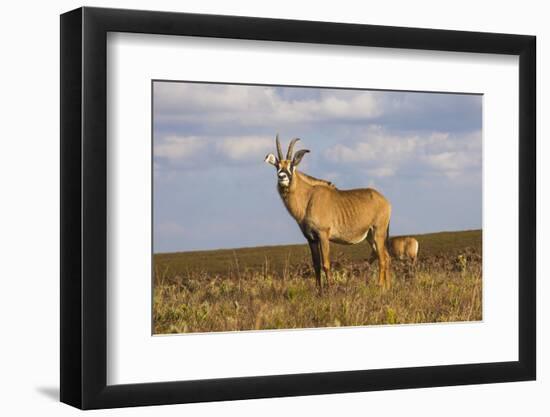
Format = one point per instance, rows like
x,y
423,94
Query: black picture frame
x,y
84,207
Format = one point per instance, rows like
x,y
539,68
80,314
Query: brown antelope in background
x,y
404,247
326,214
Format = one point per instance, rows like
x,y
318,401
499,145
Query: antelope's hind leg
x,y
384,276
373,254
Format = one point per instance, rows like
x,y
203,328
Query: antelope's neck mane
x,y
314,181
296,196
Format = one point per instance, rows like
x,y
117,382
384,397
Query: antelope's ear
x,y
298,156
270,159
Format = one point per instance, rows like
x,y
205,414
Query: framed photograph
x,y
258,207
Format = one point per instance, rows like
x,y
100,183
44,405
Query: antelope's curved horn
x,y
291,148
279,150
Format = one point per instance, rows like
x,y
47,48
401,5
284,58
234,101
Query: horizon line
x,y
304,243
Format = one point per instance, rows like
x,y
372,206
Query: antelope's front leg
x,y
316,258
324,246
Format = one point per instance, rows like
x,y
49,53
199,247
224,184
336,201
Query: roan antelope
x,y
326,214
404,247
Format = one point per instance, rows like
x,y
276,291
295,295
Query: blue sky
x,y
212,188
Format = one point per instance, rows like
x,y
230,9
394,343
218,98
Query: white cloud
x,y
455,163
383,153
362,151
195,150
447,161
257,106
178,147
375,145
245,147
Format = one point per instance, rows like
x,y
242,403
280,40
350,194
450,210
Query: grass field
x,y
273,287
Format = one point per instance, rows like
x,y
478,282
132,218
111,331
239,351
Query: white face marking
x,y
283,178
